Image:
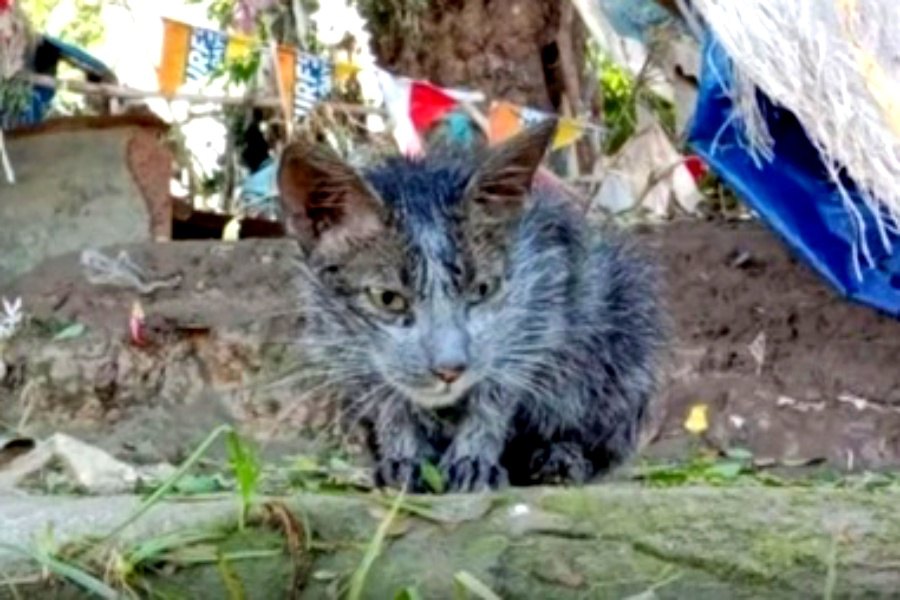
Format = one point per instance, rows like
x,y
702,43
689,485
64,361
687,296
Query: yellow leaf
x,y
697,421
232,230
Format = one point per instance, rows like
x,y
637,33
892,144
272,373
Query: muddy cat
x,y
469,317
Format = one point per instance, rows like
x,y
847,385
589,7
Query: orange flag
x,y
173,65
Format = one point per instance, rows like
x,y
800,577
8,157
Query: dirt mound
x,y
787,368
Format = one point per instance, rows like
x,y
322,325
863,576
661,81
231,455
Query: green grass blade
x,y
157,495
466,583
77,576
358,581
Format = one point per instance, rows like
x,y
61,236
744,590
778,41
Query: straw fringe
x,y
835,64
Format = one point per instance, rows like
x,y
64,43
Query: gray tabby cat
x,y
469,317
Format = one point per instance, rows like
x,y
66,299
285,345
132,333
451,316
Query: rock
x,y
88,469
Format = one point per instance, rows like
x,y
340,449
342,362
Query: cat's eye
x,y
387,300
484,289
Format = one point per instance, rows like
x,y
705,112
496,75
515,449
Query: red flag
x,y
428,104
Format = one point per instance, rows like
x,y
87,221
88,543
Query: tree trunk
x,y
509,50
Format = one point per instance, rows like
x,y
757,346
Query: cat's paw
x,y
400,473
561,463
474,473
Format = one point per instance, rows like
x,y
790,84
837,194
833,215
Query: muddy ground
x,y
788,369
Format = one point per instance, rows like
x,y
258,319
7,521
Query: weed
x,y
358,581
247,469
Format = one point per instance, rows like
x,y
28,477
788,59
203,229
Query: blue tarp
x,y
793,193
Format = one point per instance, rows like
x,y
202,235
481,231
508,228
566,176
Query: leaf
x,y
74,574
697,421
231,580
725,470
71,332
466,583
433,477
246,467
409,593
199,484
741,454
358,581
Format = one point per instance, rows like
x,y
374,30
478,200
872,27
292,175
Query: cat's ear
x,y
324,201
503,181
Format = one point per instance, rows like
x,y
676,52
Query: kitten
x,y
469,316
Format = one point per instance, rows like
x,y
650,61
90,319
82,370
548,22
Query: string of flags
x,y
193,54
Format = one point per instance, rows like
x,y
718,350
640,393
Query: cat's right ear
x,y
325,203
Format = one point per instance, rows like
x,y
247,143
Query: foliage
x,y
247,469
622,95
85,30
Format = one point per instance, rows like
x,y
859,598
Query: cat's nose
x,y
450,373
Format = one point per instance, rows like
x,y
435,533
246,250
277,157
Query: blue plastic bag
x,y
793,193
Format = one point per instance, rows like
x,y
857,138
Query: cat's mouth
x,y
437,395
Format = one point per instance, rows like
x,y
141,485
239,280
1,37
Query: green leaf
x,y
741,454
358,581
409,593
725,470
199,484
433,477
466,583
247,469
71,332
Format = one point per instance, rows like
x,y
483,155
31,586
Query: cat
x,y
470,318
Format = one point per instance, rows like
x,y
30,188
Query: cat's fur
x,y
470,317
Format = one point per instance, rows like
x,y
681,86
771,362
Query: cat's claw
x,y
473,473
400,473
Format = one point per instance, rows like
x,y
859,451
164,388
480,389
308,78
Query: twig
x,y
657,177
100,269
4,157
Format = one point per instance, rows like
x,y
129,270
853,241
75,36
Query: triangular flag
x,y
239,47
344,70
415,106
396,92
503,121
428,104
567,132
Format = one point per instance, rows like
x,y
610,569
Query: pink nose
x,y
448,374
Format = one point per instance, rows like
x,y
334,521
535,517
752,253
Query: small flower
x,y
10,318
697,421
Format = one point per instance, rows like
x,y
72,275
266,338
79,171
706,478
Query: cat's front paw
x,y
561,464
474,473
400,473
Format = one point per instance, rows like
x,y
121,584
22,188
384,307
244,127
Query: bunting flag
x,y
312,82
415,106
172,68
194,54
206,53
506,119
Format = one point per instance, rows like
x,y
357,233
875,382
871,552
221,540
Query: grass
x,y
106,568
247,469
358,581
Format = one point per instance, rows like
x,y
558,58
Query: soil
x,y
788,369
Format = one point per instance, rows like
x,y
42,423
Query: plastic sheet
x,y
793,195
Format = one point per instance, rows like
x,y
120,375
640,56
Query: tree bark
x,y
509,50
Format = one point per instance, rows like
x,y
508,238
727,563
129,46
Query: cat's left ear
x,y
325,203
503,182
